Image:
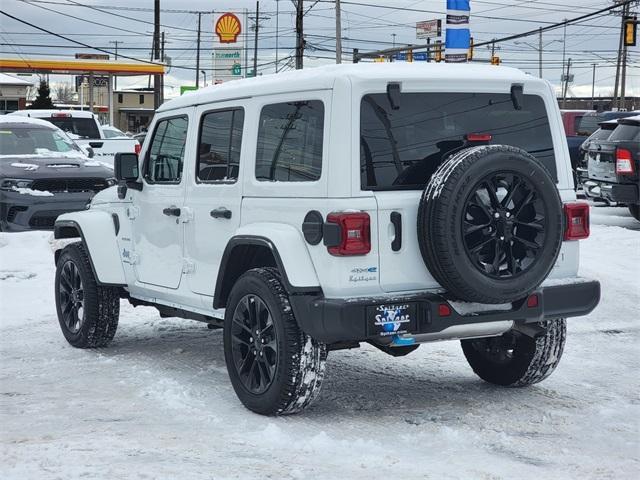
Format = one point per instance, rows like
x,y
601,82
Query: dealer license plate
x,y
392,319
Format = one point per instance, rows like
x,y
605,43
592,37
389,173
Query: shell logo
x,y
228,28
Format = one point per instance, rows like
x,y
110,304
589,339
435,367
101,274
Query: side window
x,y
166,155
219,146
290,139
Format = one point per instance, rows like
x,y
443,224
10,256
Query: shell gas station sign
x,y
228,49
228,27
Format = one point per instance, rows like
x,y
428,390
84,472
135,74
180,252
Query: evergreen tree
x,y
43,100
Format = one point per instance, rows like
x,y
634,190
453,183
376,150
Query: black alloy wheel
x,y
254,347
504,225
71,297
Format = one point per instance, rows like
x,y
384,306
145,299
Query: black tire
x,y
87,313
280,370
467,188
517,360
635,211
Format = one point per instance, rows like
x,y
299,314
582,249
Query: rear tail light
x,y
532,301
624,162
479,137
577,221
355,233
444,310
137,148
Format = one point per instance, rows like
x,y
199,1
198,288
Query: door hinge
x,y
188,266
186,214
132,212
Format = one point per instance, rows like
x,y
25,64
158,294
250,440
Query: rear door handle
x,y
171,211
221,212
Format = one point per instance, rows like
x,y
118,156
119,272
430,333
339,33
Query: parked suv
x,y
613,166
316,210
43,174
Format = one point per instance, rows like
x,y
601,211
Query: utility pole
x,y
198,51
623,87
277,30
338,33
540,52
157,79
162,76
565,76
299,34
621,48
256,28
255,41
593,85
566,84
115,78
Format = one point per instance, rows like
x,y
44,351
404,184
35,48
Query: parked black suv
x,y
613,165
43,174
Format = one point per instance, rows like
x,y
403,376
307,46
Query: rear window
x,y
601,134
588,124
83,127
401,148
625,133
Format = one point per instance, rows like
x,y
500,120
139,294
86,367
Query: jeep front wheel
x,y
87,312
515,359
274,367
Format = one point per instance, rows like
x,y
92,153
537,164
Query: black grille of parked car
x,y
70,185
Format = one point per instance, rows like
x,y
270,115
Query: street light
x,y
204,74
539,49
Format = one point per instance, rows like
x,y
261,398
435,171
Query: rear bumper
x,y
613,192
340,320
20,212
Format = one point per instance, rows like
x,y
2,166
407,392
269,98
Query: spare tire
x,y
490,224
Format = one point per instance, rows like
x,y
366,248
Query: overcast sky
x,y
367,27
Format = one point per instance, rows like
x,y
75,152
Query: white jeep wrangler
x,y
314,210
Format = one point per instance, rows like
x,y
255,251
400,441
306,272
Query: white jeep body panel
x,y
177,259
98,233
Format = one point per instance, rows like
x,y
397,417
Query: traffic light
x,y
470,55
438,52
495,60
630,31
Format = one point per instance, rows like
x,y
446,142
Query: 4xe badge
x,y
392,318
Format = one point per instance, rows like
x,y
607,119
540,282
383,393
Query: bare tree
x,y
64,93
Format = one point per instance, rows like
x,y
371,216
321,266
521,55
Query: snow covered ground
x,y
158,402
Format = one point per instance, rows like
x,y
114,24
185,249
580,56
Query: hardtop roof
x,y
320,78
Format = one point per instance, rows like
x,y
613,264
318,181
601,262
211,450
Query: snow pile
x,y
30,167
34,193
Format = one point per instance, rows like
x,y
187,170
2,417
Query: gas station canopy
x,y
80,67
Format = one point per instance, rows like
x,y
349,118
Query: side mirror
x,y
125,166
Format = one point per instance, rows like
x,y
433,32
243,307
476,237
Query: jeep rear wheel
x,y
515,359
274,367
490,224
87,312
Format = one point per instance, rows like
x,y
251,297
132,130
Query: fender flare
x,y
289,253
98,231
